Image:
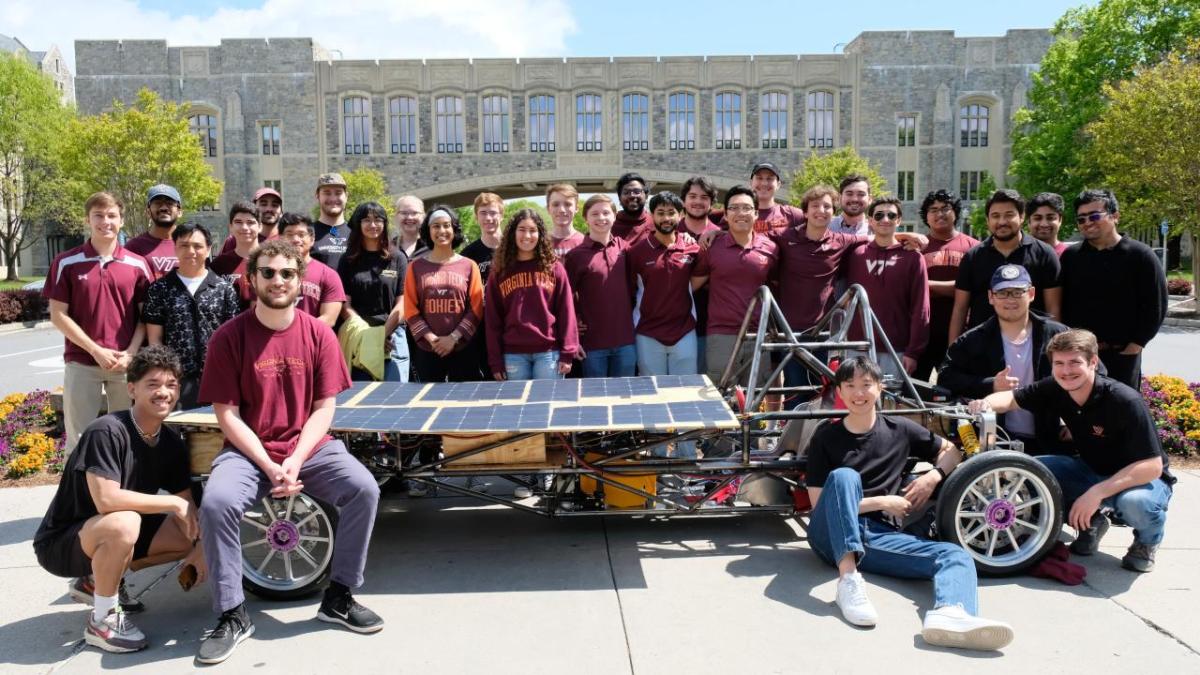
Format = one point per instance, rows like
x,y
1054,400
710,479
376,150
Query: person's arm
x,y
240,436
958,317
1000,402
941,289
1151,310
320,418
493,316
918,326
154,334
417,328
1132,475
470,321
566,328
1052,297
394,317
912,241
106,358
329,313
109,497
333,296
948,457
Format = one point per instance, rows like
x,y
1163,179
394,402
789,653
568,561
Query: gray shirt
x,y
1019,357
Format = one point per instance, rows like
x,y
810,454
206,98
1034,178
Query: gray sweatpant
x,y
330,475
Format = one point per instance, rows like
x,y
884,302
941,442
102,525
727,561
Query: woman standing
x,y
372,274
531,329
445,302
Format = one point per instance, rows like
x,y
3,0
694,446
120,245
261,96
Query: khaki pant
x,y
84,389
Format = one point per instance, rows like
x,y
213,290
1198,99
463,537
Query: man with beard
x,y
489,209
272,376
1113,286
856,194
163,208
321,292
562,201
1006,246
698,195
410,213
330,230
765,181
633,220
1045,219
943,254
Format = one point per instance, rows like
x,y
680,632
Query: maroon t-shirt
x,y
808,270
321,284
778,216
662,276
159,253
273,377
700,295
599,276
563,246
734,276
897,287
632,227
102,297
942,259
233,267
1060,247
528,312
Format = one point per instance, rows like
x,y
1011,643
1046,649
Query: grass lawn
x,y
16,285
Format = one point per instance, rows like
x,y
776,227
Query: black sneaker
x,y
1139,557
232,629
339,606
83,589
1087,542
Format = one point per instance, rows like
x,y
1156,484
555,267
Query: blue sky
x,y
515,28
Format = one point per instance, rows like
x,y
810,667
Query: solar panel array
x,y
660,403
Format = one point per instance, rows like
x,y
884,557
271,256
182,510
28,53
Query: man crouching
x,y
855,472
107,515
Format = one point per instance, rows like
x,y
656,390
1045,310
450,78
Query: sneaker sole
x,y
1134,568
99,642
985,638
365,630
218,659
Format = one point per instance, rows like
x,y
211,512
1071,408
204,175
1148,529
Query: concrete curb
x,y
1181,322
19,326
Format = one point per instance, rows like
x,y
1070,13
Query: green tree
x,y
365,184
1146,147
830,168
32,123
470,227
1095,45
976,216
131,148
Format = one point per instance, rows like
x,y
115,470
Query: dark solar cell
x,y
641,414
589,416
392,394
553,390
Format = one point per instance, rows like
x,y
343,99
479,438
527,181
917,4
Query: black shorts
x,y
62,555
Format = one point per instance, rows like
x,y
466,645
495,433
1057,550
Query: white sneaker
x,y
951,626
852,600
522,492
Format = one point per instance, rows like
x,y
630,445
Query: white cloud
x,y
358,29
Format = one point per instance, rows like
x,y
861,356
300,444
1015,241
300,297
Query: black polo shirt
x,y
879,455
1118,293
1111,430
978,264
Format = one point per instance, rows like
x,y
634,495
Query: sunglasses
x,y
886,215
1090,217
286,273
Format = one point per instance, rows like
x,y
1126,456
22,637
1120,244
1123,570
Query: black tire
x,y
1008,532
296,568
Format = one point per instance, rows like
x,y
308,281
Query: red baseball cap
x,y
263,191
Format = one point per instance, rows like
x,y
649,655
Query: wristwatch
x,y
941,472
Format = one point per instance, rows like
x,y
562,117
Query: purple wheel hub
x,y
1000,514
283,535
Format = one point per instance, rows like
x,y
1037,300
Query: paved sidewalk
x,y
467,588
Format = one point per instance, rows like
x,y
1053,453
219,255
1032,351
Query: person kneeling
x,y
854,476
107,515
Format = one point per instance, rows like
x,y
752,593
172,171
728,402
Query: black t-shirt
x,y
878,456
329,247
981,261
372,284
1118,293
482,255
111,447
1110,431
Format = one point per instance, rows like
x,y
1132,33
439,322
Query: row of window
x,y
972,125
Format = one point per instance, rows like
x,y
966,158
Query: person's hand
x,y
895,506
1082,510
919,491
123,361
581,354
196,559
106,358
1005,381
185,517
1064,434
707,237
909,363
443,345
913,241
1132,349
289,483
979,405
499,375
564,368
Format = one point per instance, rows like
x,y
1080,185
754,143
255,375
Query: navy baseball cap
x,y
769,167
163,190
1010,276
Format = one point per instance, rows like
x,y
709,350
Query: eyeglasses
x,y
741,208
287,273
886,215
632,192
941,210
1011,293
1090,217
410,214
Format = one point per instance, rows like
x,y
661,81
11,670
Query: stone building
x,y
932,109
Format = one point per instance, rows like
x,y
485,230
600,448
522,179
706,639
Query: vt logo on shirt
x,y
164,264
876,267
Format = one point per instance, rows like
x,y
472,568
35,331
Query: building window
x,y
205,128
774,106
402,123
727,123
906,131
269,132
968,184
635,121
973,125
448,116
541,123
274,185
495,123
588,108
820,119
356,125
905,185
681,121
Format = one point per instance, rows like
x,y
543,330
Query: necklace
x,y
145,436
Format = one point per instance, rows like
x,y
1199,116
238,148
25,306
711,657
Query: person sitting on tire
x,y
272,375
1120,464
107,515
855,470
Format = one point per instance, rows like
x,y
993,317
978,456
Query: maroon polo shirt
x,y
897,288
102,297
563,246
662,276
599,276
159,253
631,227
321,285
942,259
734,276
808,270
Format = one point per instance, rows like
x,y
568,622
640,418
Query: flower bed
x,y
1175,407
26,446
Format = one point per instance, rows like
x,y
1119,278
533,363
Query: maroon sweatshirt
x,y
528,312
631,227
599,276
897,288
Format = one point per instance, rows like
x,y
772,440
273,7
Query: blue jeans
x,y
395,368
655,358
700,364
539,366
835,528
1144,508
612,362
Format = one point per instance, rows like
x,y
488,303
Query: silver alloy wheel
x,y
287,544
1005,516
